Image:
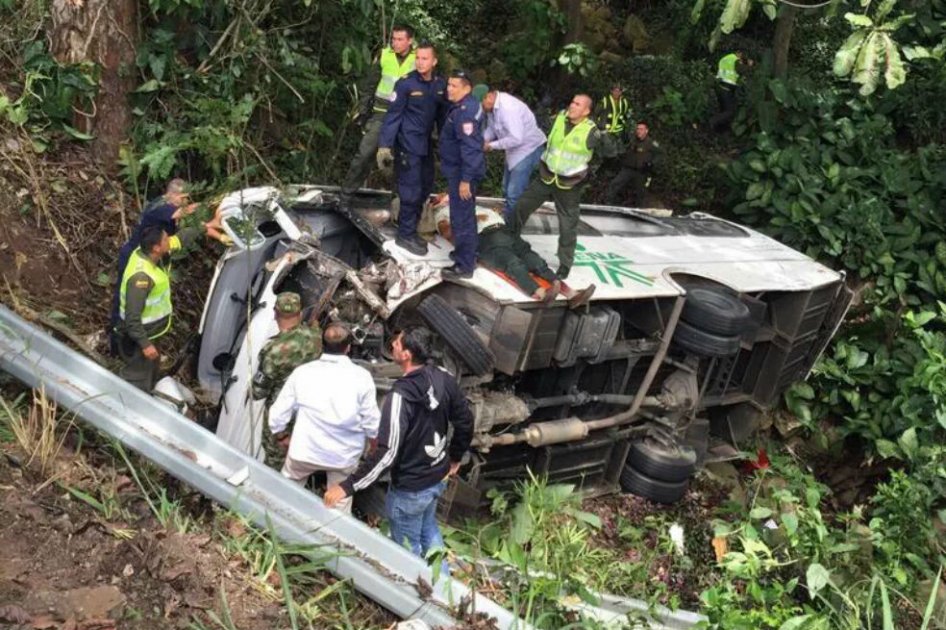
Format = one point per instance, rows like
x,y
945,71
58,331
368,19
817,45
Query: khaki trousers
x,y
300,471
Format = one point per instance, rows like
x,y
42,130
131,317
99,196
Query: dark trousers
x,y
566,206
504,251
628,177
113,338
415,181
463,225
361,164
137,369
728,103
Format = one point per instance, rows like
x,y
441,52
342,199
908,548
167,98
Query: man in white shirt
x,y
336,410
511,127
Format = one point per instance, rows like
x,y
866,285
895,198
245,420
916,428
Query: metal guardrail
x,y
379,568
376,565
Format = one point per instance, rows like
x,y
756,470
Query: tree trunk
x,y
575,25
784,25
103,32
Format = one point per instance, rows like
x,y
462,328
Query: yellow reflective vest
x,y
617,111
158,304
567,154
391,71
727,72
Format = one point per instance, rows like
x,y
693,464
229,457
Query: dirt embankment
x,y
105,562
62,222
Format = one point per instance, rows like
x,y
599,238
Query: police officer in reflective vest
x,y
396,61
145,310
615,112
728,80
463,163
563,171
419,102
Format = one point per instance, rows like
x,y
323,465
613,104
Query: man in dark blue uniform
x,y
463,164
419,102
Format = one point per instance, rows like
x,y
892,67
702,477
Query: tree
x,y
870,54
105,33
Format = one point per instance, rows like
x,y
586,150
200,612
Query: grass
x,y
290,573
169,513
38,430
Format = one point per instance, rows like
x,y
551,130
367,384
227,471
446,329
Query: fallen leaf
x,y
720,546
44,622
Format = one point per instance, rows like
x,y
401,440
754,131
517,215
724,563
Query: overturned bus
x,y
696,325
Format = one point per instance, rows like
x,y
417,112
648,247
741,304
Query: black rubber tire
x,y
447,322
661,463
716,312
640,484
702,343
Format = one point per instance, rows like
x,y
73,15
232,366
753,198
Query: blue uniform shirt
x,y
461,141
410,118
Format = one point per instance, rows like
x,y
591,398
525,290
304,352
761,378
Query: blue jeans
x,y
516,180
413,518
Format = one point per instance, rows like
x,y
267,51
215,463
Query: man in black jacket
x,y
412,443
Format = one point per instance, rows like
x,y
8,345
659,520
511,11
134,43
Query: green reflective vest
x,y
727,72
617,113
158,304
391,71
567,154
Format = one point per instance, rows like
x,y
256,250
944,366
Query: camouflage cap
x,y
288,303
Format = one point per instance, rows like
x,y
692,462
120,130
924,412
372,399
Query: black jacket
x,y
412,438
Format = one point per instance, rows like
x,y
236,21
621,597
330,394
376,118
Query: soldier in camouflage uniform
x,y
294,345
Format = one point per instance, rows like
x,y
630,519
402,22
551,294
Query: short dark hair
x,y
427,44
463,76
417,340
150,237
403,28
336,339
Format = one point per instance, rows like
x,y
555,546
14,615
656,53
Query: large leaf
x,y
867,66
909,443
522,524
734,15
883,10
817,577
697,11
847,54
858,20
895,74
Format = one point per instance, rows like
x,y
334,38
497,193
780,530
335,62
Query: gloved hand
x,y
385,158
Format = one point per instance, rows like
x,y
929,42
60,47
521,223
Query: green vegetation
x,y
839,150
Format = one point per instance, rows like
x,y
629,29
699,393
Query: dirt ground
x,y
63,566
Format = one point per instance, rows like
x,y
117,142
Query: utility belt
x,y
380,105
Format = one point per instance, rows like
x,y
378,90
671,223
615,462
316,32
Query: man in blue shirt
x,y
419,102
463,163
163,212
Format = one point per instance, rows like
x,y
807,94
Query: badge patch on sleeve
x,y
468,128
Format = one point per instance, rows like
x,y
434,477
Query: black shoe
x,y
416,246
563,272
455,273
